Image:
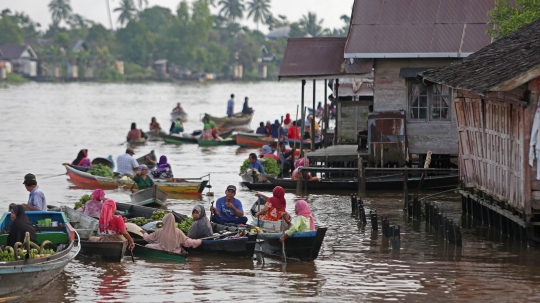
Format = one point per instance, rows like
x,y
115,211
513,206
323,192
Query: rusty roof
x,y
417,28
500,66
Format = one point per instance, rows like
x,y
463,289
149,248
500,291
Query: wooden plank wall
x,y
491,147
352,119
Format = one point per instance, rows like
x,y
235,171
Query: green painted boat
x,y
230,141
143,251
179,139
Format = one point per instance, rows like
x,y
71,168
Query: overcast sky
x,y
96,10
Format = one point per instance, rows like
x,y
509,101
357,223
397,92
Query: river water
x,y
44,125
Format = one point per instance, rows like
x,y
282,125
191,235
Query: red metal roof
x,y
417,28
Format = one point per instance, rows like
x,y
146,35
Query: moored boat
x,y
153,196
155,135
259,186
24,276
143,251
87,227
255,140
303,246
229,141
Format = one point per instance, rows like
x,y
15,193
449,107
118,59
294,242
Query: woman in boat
x,y
293,133
320,110
206,133
134,133
112,227
274,207
215,133
169,238
142,179
20,226
154,125
201,228
301,163
93,207
177,127
317,129
287,122
82,159
163,170
302,223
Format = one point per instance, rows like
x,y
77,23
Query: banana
x,y
43,245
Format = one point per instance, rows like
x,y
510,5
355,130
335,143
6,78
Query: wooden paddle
x,y
283,243
63,174
123,143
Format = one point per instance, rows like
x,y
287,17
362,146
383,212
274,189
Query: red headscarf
x,y
304,210
278,198
287,120
98,195
107,213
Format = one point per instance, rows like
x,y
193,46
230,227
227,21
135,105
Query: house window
x,y
430,103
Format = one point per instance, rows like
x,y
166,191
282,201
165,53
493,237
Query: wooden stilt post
x,y
314,118
325,113
361,179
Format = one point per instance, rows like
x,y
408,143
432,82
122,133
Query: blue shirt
x,y
230,106
257,165
225,212
275,131
37,199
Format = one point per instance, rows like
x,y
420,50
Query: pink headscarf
x,y
304,210
98,195
107,213
170,237
300,162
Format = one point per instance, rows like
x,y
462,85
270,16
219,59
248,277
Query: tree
x,y
60,10
137,43
260,10
312,25
62,40
296,31
142,3
127,11
11,32
508,18
98,35
158,19
232,9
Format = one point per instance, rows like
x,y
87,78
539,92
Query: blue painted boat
x,y
303,246
24,276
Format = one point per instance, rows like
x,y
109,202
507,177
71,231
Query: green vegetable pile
x,y
101,170
36,252
270,165
185,226
140,221
158,215
82,201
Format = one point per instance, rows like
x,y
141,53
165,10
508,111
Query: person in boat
x,y
277,130
178,108
110,158
268,127
142,179
230,107
285,156
254,164
215,133
201,227
82,159
303,222
266,150
134,133
262,129
320,111
20,225
317,129
36,200
126,163
301,163
246,110
307,128
274,208
163,170
154,125
332,107
93,207
228,209
169,237
293,133
288,121
206,134
176,127
112,227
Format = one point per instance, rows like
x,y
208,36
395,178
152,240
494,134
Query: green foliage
x,y
127,11
11,32
312,25
62,40
137,43
133,71
158,19
60,10
101,170
82,201
14,78
185,225
296,31
270,165
232,9
508,18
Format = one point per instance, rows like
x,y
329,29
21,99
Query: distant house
x,y
280,32
160,66
23,59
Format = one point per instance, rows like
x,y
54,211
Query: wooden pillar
x,y
303,121
361,179
325,134
314,118
336,129
405,184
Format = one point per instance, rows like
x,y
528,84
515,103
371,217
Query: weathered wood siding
x,y
352,119
390,93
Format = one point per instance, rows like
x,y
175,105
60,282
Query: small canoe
x,y
267,226
237,121
179,114
24,276
153,196
154,135
230,141
259,186
179,139
240,247
143,160
262,178
142,251
140,141
303,246
255,140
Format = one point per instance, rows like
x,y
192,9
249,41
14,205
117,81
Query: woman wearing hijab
x,y
274,207
93,207
142,179
201,228
287,121
20,225
301,163
169,238
82,159
111,226
303,222
163,170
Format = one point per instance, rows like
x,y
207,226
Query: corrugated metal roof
x,y
418,28
502,65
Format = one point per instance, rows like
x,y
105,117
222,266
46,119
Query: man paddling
x,y
37,200
228,209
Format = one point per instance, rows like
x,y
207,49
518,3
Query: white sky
x,y
96,10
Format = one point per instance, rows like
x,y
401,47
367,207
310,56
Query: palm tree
x,y
311,25
141,3
109,13
232,9
260,10
127,11
345,19
60,10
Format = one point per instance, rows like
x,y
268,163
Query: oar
x,y
131,252
123,143
63,174
283,243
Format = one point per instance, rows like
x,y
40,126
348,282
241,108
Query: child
x,y
302,223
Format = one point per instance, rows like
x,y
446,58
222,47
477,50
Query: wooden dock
x,y
337,153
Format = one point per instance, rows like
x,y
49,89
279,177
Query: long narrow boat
x,y
80,177
153,196
175,114
154,135
303,246
143,160
230,141
21,277
240,247
255,140
179,139
142,251
238,121
373,183
140,141
259,186
87,227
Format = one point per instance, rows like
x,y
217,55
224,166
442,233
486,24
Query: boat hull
x,y
259,186
254,140
216,143
303,246
141,251
241,247
112,250
179,140
239,121
149,197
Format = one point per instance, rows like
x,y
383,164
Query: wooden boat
x,y
179,114
87,227
238,121
179,139
154,135
140,141
153,196
259,186
255,140
143,160
240,247
134,211
262,178
24,276
373,183
268,226
142,251
303,246
229,141
81,178
102,161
